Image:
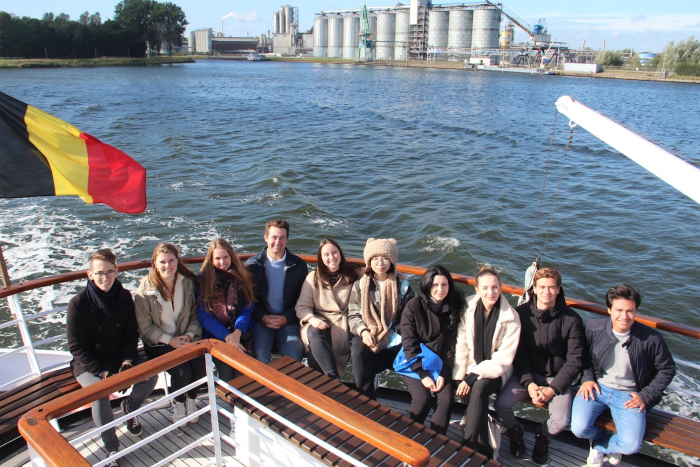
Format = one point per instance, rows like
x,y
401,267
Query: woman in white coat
x,y
487,339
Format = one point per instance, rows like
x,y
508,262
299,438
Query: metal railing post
x,y
211,390
16,309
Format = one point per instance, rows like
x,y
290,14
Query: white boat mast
x,y
673,170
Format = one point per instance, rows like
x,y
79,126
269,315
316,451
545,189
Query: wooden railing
x,y
661,324
57,452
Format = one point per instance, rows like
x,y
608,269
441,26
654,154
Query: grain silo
x,y
276,23
386,29
351,36
459,36
401,38
438,27
191,43
320,36
282,21
288,19
335,36
487,22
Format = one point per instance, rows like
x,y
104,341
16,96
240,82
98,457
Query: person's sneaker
x,y
615,459
133,425
515,434
179,411
540,453
113,462
595,458
191,406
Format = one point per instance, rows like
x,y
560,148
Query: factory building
x,y
204,41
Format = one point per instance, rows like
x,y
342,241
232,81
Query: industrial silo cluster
x,y
283,20
438,31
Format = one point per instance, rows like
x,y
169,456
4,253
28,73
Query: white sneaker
x,y
615,459
595,458
113,462
179,411
191,408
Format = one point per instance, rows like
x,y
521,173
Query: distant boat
x,y
255,57
529,71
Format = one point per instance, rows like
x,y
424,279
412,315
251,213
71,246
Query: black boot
x,y
517,446
540,453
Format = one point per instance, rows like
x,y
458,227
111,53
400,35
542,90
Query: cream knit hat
x,y
381,247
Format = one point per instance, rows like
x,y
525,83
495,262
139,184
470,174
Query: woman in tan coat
x,y
167,317
322,310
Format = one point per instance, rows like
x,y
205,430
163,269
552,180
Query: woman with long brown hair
x,y
322,310
225,301
167,318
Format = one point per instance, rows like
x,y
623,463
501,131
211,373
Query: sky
x,y
642,25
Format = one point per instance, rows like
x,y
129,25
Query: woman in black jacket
x,y
431,318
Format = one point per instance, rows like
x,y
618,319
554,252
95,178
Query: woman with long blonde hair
x,y
225,300
167,318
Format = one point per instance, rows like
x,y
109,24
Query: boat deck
x,y
565,451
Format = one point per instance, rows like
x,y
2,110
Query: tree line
x,y
683,57
139,27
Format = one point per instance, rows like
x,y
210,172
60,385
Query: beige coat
x,y
148,311
505,343
330,305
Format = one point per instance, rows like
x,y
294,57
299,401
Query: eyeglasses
x,y
108,274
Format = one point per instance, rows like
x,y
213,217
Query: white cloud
x,y
638,23
251,17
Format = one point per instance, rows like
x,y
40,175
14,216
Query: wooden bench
x,y
18,401
444,451
665,429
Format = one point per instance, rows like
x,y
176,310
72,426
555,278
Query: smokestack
x,y
222,26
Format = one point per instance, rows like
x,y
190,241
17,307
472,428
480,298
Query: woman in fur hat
x,y
374,313
322,310
487,339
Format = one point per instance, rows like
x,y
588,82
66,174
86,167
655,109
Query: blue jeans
x,y
630,423
288,339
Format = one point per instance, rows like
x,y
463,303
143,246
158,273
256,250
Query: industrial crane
x,y
364,47
539,28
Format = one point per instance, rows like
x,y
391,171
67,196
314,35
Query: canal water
x,y
449,163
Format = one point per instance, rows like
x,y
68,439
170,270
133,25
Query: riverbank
x,y
633,76
91,62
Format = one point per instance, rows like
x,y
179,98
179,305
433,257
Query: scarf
x,y
484,329
226,302
109,301
378,322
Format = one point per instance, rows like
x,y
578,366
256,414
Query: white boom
x,y
673,170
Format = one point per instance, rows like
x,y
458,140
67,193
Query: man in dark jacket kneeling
x,y
102,337
627,370
549,358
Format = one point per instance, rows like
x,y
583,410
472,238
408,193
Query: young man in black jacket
x,y
549,358
627,370
102,336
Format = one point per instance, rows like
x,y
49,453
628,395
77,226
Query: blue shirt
x,y
274,270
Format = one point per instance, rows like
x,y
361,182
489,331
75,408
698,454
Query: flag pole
x,y
3,270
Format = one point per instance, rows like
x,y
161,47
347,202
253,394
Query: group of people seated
x,y
443,344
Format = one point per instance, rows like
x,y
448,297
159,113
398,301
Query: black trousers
x,y
476,427
422,400
321,356
181,375
366,364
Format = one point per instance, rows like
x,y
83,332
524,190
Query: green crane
x,y
364,49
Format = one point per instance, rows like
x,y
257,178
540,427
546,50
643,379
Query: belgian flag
x,y
41,155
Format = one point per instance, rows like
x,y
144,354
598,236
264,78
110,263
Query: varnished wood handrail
x,y
660,324
57,452
369,431
34,426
